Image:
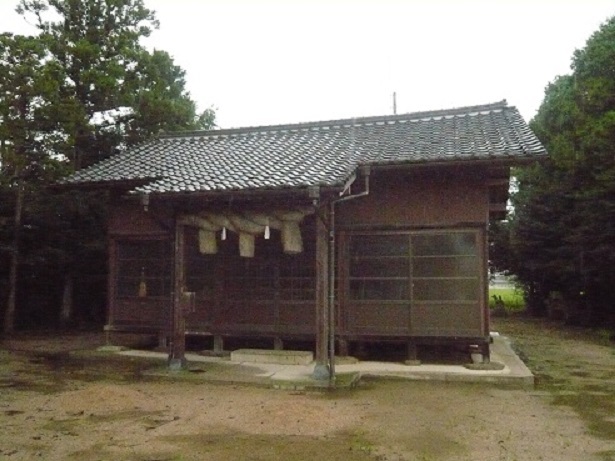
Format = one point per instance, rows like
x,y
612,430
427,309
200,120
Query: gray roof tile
x,y
320,153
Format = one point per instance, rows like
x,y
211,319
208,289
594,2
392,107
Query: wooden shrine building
x,y
368,229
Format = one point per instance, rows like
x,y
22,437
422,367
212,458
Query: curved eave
x,y
126,184
497,161
307,192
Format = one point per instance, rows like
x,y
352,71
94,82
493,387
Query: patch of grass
x,y
607,455
572,364
346,380
606,336
595,409
89,365
266,447
511,297
359,443
65,426
107,451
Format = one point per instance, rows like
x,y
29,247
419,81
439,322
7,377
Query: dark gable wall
x,y
427,197
400,199
432,199
128,218
129,222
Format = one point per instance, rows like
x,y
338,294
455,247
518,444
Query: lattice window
x,y
445,267
421,266
379,267
143,268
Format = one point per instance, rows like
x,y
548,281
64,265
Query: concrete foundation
x,y
279,357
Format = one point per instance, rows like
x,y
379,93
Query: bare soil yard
x,y
84,406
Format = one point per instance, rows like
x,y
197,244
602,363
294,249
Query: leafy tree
x,y
563,229
25,108
112,91
80,90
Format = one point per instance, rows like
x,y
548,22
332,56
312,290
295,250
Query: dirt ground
x,y
56,406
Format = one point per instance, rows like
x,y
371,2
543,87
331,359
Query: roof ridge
x,y
335,122
301,155
458,110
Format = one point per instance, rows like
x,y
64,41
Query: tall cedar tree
x,y
26,99
113,92
563,229
96,90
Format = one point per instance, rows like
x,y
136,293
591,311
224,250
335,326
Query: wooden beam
x,y
177,346
112,264
322,295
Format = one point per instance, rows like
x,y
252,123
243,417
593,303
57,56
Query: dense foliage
x,y
75,93
562,241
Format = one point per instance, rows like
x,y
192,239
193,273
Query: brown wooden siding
x,y
274,294
440,200
129,223
431,198
129,306
445,298
129,218
271,294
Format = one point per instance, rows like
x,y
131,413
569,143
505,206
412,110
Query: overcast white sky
x,y
267,62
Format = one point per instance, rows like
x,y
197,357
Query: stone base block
x,y
272,356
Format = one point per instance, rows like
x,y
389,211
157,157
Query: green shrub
x,y
510,299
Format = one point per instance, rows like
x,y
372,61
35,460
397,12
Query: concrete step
x,y
272,356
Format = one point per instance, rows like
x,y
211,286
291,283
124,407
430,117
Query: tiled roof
x,y
321,153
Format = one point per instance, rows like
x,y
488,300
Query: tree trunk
x,y
66,313
9,314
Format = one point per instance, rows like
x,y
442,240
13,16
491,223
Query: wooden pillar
x,y
321,370
343,349
218,344
111,282
108,336
484,279
177,347
486,351
163,340
412,354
